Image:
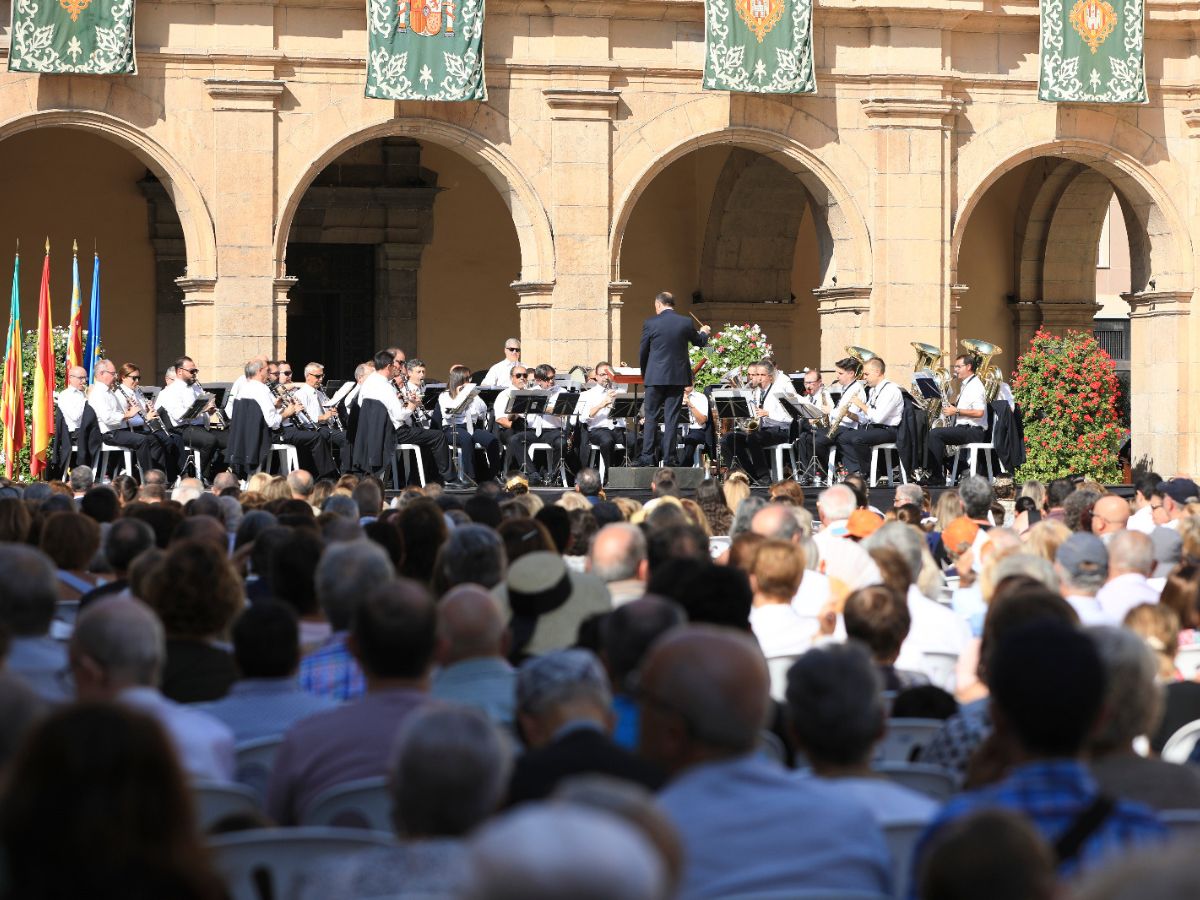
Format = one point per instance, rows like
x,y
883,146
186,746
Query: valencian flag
x,y
83,37
75,335
425,50
43,378
12,398
759,46
1092,51
91,352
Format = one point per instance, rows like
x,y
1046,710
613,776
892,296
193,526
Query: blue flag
x,y
91,352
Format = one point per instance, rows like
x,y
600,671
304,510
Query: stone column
x,y
913,195
199,323
279,305
536,303
1061,317
396,269
616,302
843,312
1027,319
170,262
1162,419
581,150
243,313
951,346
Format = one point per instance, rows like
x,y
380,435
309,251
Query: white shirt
x,y
934,629
971,396
500,407
845,560
71,402
176,399
1142,520
310,400
126,396
203,742
854,389
377,386
781,387
592,398
821,398
1123,593
235,392
889,803
261,394
1089,610
542,422
109,407
886,404
780,630
476,410
499,375
700,402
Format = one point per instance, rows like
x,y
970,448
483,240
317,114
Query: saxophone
x,y
861,354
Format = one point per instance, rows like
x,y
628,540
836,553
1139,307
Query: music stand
x,y
566,407
488,396
464,400
811,413
729,404
196,409
928,388
525,403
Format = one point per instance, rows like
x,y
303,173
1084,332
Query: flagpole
x,y
43,378
92,352
12,397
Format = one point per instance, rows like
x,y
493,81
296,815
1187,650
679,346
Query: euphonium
x,y
928,365
990,375
861,354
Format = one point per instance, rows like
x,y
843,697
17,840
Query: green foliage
x,y
1068,390
732,348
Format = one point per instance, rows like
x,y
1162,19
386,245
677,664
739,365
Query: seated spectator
x,y
626,635
711,500
878,617
995,854
618,558
267,699
126,540
28,594
196,594
131,829
347,573
564,710
925,701
473,655
1134,707
782,633
716,595
1130,564
424,527
71,541
1047,684
448,776
472,554
746,824
1082,566
546,602
293,581
100,504
393,636
15,520
837,716
117,653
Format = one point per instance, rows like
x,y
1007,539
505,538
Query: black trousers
x,y
432,442
605,440
750,448
693,438
312,448
211,445
667,399
467,441
149,452
954,434
857,449
339,441
519,441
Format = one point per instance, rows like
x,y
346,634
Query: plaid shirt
x,y
1053,793
330,671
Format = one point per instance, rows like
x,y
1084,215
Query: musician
x,y
415,385
663,357
285,374
600,429
816,393
321,411
113,415
147,421
381,385
968,416
168,376
750,448
175,400
512,428
468,427
235,390
845,372
312,447
72,399
547,429
695,407
879,416
499,375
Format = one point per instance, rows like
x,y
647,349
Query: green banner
x,y
89,37
425,50
1092,52
759,46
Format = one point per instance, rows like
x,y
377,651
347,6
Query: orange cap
x,y
959,532
863,523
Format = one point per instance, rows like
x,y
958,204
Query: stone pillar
x,y
279,305
616,302
951,346
396,268
1027,319
1162,419
1061,317
774,318
199,322
913,196
170,262
536,303
243,314
843,312
581,151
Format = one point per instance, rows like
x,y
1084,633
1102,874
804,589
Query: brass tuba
x,y
929,365
861,355
990,375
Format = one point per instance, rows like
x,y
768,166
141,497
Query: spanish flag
x,y
43,378
75,336
12,400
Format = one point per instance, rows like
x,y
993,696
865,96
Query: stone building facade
x,y
246,196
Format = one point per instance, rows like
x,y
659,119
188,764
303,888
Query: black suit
x,y
666,371
581,751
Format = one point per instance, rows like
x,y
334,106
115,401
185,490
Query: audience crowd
x,y
714,694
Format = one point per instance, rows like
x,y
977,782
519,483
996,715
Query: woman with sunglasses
x,y
464,427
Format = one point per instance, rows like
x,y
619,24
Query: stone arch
x,y
193,212
529,215
844,240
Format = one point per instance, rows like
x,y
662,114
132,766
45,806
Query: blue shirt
x,y
330,671
488,684
1053,793
265,707
625,733
748,825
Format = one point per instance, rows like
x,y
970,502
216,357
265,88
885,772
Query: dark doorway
x,y
331,314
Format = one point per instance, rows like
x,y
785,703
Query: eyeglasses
x,y
135,377
190,371
287,372
513,349
83,377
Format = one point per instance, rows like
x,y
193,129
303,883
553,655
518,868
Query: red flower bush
x,y
1067,388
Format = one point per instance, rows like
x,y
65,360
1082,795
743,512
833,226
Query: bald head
x,y
116,644
618,553
469,625
1130,552
77,377
1110,514
705,697
775,521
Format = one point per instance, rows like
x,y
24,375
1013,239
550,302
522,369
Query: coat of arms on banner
x,y
425,50
1092,51
1094,21
759,46
760,16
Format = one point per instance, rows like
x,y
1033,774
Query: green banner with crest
x,y
425,50
759,46
78,37
1092,51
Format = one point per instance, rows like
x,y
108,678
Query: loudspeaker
x,y
621,478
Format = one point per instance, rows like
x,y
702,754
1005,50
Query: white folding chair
x,y
905,738
596,461
1179,746
831,466
102,463
902,840
541,446
253,761
1187,661
216,800
933,781
973,450
289,461
942,668
891,459
402,452
277,862
777,454
365,803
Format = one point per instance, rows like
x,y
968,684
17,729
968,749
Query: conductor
x,y
666,372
